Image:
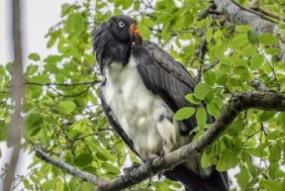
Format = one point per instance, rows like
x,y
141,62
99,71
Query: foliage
x,y
64,115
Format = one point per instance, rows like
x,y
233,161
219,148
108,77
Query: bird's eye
x,y
121,24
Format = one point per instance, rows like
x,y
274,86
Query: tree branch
x,y
17,95
70,169
63,84
255,5
201,53
257,21
239,102
241,15
259,86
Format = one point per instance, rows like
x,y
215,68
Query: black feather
x,y
216,181
164,76
108,48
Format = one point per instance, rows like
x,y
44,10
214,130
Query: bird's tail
x,y
192,181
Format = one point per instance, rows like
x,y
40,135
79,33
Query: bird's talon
x,y
128,170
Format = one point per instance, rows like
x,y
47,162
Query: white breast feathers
x,y
144,117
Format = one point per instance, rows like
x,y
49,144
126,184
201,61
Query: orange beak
x,y
135,34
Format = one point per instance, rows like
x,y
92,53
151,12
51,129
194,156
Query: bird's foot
x,y
128,170
149,162
161,157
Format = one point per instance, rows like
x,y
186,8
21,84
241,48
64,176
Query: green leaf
x,y
191,98
243,178
267,38
184,113
228,159
3,131
66,107
51,42
59,184
201,90
252,37
75,23
213,109
272,185
256,61
84,159
32,69
243,72
210,77
206,159
275,153
201,117
101,156
82,126
34,56
126,3
33,122
111,168
266,115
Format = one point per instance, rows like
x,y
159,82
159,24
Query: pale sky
x,y
38,16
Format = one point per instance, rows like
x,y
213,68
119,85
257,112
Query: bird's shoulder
x,y
150,53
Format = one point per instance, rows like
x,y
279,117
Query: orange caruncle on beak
x,y
135,34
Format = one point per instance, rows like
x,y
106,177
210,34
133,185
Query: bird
x,y
142,87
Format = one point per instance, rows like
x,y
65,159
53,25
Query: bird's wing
x,y
165,77
115,124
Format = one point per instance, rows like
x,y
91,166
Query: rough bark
x,y
241,15
257,21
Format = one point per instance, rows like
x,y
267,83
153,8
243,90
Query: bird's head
x,y
125,29
112,40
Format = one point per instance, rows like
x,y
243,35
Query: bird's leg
x,y
149,161
128,170
161,156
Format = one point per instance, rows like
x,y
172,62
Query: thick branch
x,y
238,103
17,95
242,15
257,21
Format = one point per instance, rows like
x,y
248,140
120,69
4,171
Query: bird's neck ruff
x,y
109,49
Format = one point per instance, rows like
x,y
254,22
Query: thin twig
x,y
63,84
211,66
201,56
268,14
272,67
